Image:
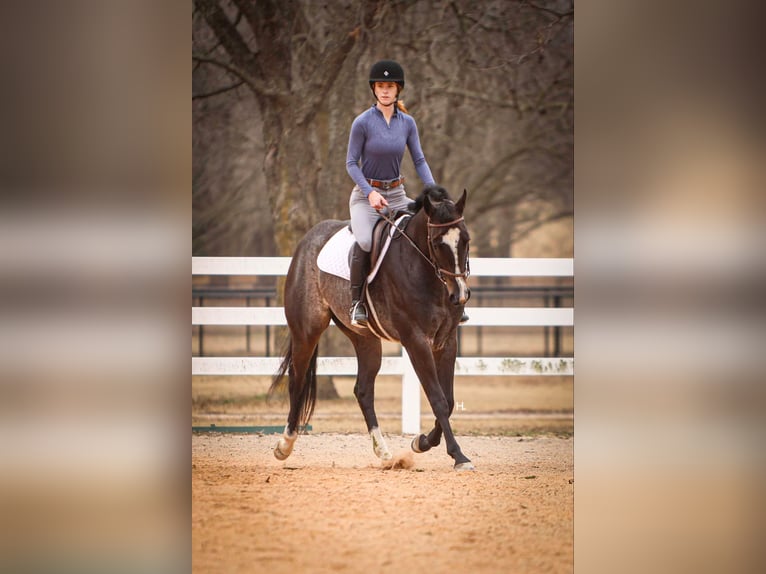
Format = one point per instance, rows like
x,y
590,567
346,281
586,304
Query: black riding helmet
x,y
386,71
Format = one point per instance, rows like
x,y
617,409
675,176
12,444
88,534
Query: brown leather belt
x,y
386,185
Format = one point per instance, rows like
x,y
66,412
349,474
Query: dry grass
x,y
484,405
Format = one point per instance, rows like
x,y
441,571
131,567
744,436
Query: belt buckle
x,y
386,185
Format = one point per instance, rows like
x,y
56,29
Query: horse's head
x,y
448,240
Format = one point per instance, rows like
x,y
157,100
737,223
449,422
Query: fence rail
x,y
481,266
480,316
390,366
399,366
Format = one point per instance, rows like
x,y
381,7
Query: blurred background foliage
x,y
277,83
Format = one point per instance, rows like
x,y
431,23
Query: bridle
x,y
440,271
431,257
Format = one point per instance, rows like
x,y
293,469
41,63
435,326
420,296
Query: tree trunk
x,y
291,168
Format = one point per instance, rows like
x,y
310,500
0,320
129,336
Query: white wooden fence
x,y
480,316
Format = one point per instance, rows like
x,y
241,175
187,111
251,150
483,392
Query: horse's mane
x,y
444,208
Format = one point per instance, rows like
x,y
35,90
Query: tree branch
x,y
226,32
332,58
233,86
521,106
265,19
255,85
515,154
540,222
558,15
247,8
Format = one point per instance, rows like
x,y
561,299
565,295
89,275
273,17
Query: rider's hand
x,y
376,200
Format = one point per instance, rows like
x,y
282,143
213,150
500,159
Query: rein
x,y
440,272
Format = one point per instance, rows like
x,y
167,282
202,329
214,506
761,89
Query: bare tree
x,y
288,59
490,84
501,109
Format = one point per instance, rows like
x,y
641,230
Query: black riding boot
x,y
360,268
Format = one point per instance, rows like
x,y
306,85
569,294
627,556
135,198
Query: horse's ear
x,y
460,205
428,205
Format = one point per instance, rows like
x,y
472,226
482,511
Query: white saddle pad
x,y
333,258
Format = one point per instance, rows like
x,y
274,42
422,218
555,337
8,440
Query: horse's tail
x,y
304,392
278,382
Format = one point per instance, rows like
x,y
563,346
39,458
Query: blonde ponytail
x,y
400,105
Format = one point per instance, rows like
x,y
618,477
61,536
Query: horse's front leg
x,y
424,363
445,369
369,353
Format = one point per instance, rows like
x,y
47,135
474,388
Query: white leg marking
x,y
379,445
285,445
452,239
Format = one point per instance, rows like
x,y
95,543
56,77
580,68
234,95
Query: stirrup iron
x,y
358,314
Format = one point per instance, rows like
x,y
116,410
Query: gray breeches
x,y
363,216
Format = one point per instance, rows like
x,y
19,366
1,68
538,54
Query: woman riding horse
x,y
417,297
377,141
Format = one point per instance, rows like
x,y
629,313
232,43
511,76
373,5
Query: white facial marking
x,y
452,238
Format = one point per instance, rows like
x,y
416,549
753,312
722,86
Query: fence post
x,y
201,333
410,397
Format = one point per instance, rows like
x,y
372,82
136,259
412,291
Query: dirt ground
x,y
330,507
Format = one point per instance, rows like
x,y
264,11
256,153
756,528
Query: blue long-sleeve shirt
x,y
380,148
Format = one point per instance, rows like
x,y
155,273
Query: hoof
x,y
384,455
459,466
279,454
379,446
416,442
285,445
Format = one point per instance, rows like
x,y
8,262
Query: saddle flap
x,y
382,230
382,236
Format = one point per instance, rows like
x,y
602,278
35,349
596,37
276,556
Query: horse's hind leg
x,y
424,443
300,364
369,353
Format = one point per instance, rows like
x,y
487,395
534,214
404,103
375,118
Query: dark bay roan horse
x,y
418,294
